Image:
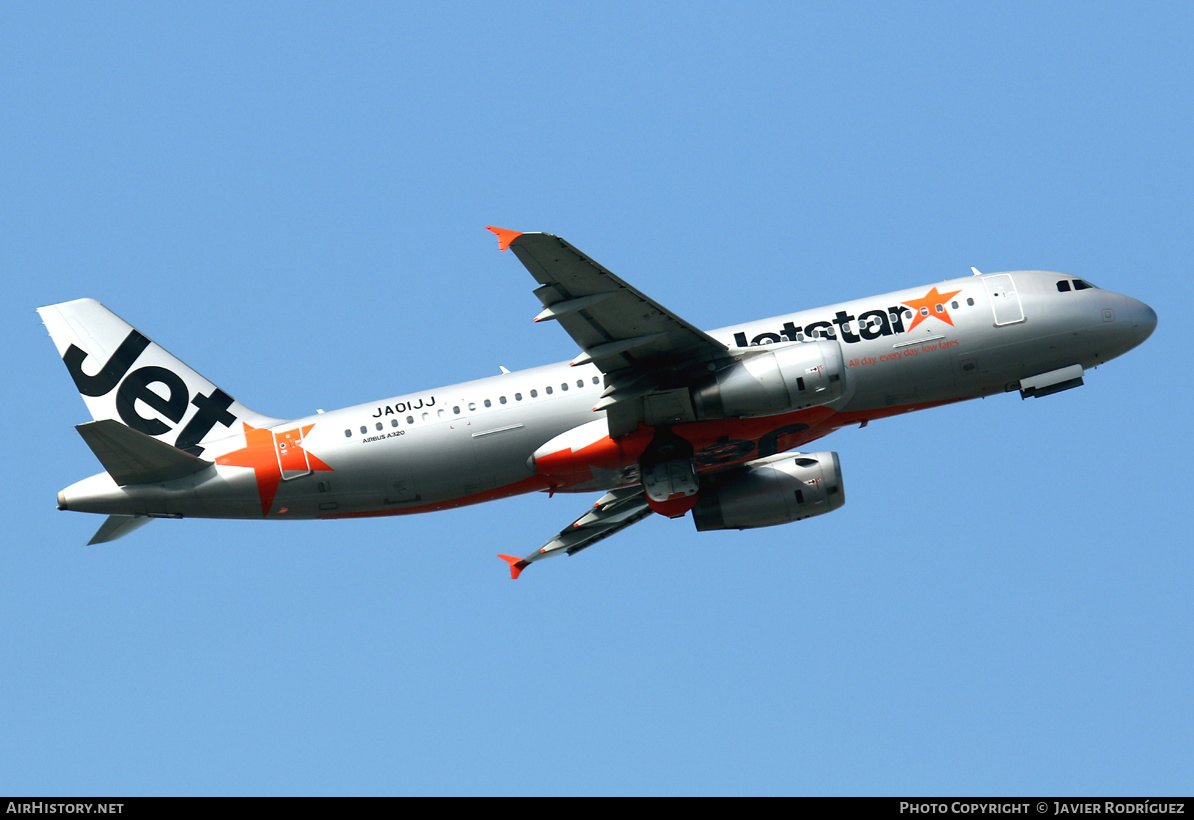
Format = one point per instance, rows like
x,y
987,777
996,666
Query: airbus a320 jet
x,y
655,414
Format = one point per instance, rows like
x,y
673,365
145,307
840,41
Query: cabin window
x,y
924,311
534,394
456,410
941,308
564,386
501,399
378,425
580,382
518,396
1063,286
410,419
393,422
364,429
440,413
488,403
547,389
596,380
348,433
970,302
426,416
954,304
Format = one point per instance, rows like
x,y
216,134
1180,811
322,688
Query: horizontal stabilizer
x,y
135,458
118,526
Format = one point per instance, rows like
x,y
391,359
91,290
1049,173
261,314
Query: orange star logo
x,y
273,456
932,304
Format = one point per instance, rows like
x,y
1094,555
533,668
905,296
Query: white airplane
x,y
658,415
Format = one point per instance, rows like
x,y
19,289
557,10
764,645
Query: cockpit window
x,y
1082,284
1063,285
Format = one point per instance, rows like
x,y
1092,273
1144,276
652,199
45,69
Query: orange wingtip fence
x,y
517,565
504,236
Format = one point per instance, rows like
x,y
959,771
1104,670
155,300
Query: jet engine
x,y
775,379
770,491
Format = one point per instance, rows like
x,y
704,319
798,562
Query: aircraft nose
x,y
1143,318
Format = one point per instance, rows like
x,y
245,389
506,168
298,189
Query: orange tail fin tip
x,y
517,565
504,236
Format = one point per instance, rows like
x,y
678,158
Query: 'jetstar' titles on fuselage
x,y
872,324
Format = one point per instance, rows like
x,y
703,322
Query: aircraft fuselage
x,y
466,443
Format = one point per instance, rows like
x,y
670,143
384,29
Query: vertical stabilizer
x,y
124,376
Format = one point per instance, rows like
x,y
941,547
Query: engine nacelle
x,y
771,491
775,379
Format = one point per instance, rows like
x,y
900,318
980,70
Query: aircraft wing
x,y
616,511
641,346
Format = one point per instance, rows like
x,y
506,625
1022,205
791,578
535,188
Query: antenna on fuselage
x,y
975,271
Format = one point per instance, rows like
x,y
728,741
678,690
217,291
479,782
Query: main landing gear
x,y
669,474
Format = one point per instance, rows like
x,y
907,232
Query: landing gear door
x,y
1005,301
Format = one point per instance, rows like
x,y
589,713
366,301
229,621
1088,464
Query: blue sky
x,y
290,197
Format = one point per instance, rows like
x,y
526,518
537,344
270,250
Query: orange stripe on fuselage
x,y
717,444
526,485
717,441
